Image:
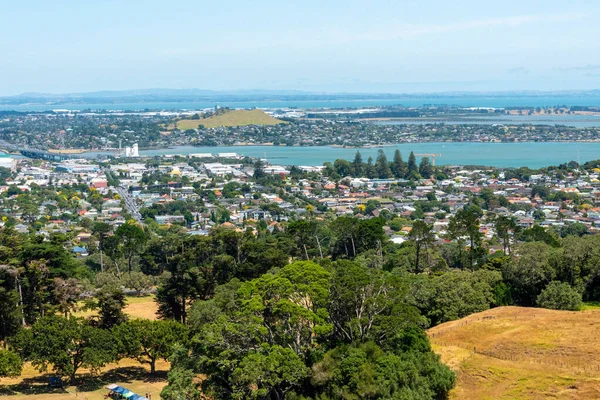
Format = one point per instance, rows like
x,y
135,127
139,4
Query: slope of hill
x,y
522,353
231,118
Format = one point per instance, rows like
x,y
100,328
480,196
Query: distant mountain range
x,y
187,95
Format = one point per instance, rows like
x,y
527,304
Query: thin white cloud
x,y
414,31
587,67
324,36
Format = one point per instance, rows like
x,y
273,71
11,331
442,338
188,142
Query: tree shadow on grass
x,y
90,383
85,382
32,386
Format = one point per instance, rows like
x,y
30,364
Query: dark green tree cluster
x,y
340,331
382,168
67,345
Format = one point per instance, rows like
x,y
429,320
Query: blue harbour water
x,y
577,121
410,101
530,154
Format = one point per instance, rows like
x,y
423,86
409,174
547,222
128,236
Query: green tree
x,y
181,385
259,170
369,371
110,302
382,166
505,227
101,231
559,296
529,273
310,236
358,165
541,191
574,229
10,305
269,373
138,281
369,170
342,167
454,294
147,341
66,345
113,249
466,223
294,303
412,168
10,364
398,165
266,337
132,238
36,289
368,303
370,234
539,215
421,234
66,295
539,234
344,228
178,288
287,309
371,206
425,168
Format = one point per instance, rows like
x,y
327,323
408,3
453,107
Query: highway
x,y
36,153
130,204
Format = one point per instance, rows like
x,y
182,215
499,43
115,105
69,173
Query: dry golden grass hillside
x,y
231,118
522,353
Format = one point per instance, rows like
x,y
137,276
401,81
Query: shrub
x,y
559,296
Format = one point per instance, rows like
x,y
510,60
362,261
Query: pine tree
x,y
358,165
412,165
110,302
425,168
382,167
370,169
259,171
398,165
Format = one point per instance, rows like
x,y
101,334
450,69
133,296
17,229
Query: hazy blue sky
x,y
367,45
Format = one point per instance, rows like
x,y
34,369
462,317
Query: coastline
x,y
69,151
339,146
502,155
9,153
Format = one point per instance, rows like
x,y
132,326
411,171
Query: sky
x,y
391,46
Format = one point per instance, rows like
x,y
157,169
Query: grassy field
x,y
32,385
523,353
137,307
231,118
